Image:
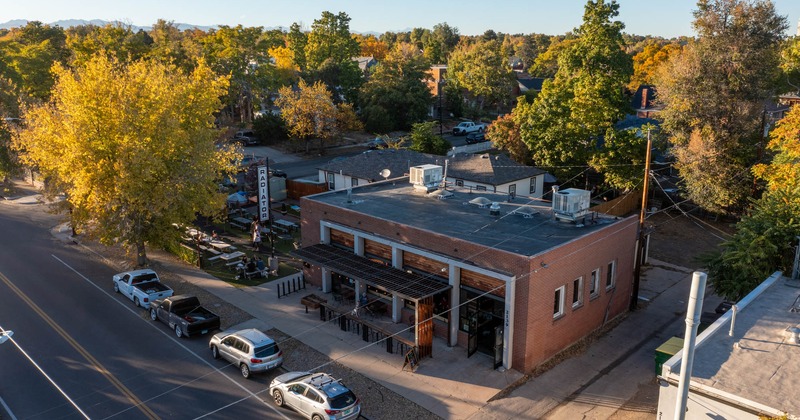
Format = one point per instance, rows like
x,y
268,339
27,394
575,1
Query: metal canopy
x,y
408,285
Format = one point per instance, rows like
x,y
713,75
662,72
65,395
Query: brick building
x,y
495,275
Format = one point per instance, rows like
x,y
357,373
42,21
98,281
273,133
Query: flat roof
x,y
396,200
758,363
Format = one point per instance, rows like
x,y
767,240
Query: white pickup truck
x,y
465,127
141,286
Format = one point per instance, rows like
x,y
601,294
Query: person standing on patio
x,y
256,239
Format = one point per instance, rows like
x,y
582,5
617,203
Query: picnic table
x,y
232,257
286,224
221,246
242,223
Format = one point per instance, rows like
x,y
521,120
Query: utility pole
x,y
640,242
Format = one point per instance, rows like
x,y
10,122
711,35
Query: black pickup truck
x,y
184,314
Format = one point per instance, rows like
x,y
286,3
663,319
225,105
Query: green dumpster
x,y
665,351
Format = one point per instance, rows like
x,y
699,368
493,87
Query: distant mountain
x,y
68,23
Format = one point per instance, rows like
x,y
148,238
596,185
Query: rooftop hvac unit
x,y
570,204
426,177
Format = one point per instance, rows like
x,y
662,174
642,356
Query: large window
x,y
611,274
353,182
594,284
480,188
558,302
480,305
577,292
533,186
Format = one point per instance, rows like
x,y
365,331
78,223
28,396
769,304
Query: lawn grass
x,y
241,240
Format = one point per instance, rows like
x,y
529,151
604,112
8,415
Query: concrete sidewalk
x,y
602,379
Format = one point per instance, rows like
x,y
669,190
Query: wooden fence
x,y
622,205
296,189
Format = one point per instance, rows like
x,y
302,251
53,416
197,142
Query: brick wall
x,y
537,336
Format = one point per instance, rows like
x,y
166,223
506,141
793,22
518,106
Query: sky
x,y
666,18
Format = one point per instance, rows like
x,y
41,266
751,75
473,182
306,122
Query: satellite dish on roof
x,y
385,173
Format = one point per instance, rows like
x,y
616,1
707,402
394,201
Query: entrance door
x,y
498,346
472,316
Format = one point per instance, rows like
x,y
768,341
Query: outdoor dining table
x,y
243,220
286,224
232,256
221,246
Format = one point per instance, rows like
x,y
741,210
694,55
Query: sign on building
x,y
263,194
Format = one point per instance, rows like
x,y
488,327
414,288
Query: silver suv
x,y
250,350
317,396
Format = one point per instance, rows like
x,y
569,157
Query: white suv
x,y
250,350
317,396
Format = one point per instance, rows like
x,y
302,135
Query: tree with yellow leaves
x,y
310,113
131,147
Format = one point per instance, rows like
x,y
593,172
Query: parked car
x,y
316,396
141,286
246,137
184,314
466,127
473,138
278,173
377,143
251,350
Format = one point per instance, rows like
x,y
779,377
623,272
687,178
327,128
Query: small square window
x,y
459,183
558,302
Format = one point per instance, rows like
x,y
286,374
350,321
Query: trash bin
x,y
665,352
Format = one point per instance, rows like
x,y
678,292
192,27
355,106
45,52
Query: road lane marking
x,y
8,410
94,362
171,337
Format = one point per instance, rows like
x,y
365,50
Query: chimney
x,y
644,98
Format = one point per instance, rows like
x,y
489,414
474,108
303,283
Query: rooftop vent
x,y
426,177
570,204
494,209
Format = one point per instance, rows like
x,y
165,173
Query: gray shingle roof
x,y
484,169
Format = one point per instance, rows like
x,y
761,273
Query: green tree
x,y
310,113
270,128
26,55
118,41
396,94
483,72
330,39
713,94
169,45
131,147
765,237
621,159
424,141
236,52
584,100
296,41
546,62
440,42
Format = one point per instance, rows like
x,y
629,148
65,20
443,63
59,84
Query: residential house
x,y
747,363
507,279
365,63
495,173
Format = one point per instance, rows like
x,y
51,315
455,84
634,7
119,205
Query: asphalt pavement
x,y
612,378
